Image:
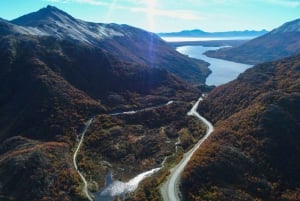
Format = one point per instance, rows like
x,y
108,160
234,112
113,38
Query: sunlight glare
x,y
111,9
150,14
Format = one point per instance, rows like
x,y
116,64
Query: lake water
x,y
223,71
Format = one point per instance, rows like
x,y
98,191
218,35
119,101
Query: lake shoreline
x,y
222,71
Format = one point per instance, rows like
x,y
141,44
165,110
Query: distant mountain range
x,y
281,42
200,33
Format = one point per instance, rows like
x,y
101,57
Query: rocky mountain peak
x,y
52,21
44,15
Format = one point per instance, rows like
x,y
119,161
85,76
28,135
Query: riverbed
x,y
115,188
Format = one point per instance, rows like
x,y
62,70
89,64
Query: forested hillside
x,y
254,152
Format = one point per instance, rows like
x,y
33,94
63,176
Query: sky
x,y
169,15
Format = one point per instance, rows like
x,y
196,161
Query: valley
x,y
106,111
253,154
51,85
169,188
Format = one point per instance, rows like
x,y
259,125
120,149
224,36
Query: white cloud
x,y
286,3
137,2
90,2
58,1
179,14
143,6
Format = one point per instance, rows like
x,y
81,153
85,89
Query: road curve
x,y
170,189
87,124
85,187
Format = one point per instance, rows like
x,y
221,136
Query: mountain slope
x,y
33,170
44,78
34,98
50,87
281,42
55,75
254,152
125,42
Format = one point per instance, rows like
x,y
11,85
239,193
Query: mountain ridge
x,y
253,153
279,43
292,26
51,84
123,41
201,33
75,73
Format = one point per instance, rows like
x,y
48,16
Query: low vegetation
x,y
130,144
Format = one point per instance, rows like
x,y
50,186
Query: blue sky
x,y
169,15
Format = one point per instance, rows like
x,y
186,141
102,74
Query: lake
x,y
223,71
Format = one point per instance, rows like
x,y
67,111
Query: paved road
x,y
85,187
170,189
88,123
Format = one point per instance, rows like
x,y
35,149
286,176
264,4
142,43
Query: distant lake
x,y
223,71
188,39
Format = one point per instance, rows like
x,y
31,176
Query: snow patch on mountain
x,y
51,21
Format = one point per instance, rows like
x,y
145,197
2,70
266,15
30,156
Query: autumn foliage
x,y
254,152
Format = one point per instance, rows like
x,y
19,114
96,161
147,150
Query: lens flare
x,y
151,14
111,9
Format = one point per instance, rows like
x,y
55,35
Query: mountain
x,y
43,78
50,57
7,28
185,33
200,33
254,152
280,42
125,42
56,73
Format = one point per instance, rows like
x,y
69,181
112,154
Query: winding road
x,y
170,189
87,124
85,187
